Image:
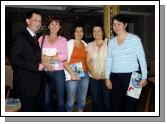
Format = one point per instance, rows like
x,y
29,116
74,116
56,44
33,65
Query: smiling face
x,y
97,33
34,23
54,26
119,27
78,33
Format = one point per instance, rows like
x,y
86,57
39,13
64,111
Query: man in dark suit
x,y
25,57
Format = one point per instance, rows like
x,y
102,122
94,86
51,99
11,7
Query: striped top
x,y
124,58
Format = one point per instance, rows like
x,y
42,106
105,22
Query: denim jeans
x,y
101,96
77,90
55,80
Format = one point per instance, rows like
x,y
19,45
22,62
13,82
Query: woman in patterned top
x,y
96,59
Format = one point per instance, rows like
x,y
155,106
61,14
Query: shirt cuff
x,y
107,77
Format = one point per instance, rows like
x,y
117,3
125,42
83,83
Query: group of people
x,y
39,67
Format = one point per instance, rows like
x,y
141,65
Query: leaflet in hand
x,y
50,51
77,67
55,64
134,89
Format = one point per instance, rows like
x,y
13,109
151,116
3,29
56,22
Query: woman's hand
x,y
45,58
55,57
143,83
95,76
102,76
48,66
108,84
74,76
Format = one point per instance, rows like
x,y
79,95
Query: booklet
x,y
134,89
77,67
51,52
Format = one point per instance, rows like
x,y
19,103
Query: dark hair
x,y
99,25
120,18
74,28
57,19
29,14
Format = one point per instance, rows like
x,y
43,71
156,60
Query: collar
x,y
31,32
104,42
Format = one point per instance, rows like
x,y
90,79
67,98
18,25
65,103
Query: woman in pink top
x,y
54,52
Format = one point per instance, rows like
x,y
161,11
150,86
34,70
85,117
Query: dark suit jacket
x,y
25,57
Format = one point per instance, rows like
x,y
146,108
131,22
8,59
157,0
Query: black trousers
x,y
120,101
101,96
30,103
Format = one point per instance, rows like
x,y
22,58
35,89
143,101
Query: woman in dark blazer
x,y
26,61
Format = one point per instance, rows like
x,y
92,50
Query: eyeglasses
x,y
36,20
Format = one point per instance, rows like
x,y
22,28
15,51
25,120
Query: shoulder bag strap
x,y
43,38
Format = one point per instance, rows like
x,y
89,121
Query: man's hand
x,y
40,67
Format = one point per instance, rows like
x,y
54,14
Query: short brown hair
x,y
29,14
57,19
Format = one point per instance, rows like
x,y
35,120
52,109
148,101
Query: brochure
x,y
51,52
77,67
134,89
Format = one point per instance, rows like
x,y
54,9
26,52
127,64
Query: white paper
x,y
49,51
55,64
134,89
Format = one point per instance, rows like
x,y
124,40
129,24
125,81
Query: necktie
x,y
37,47
35,39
